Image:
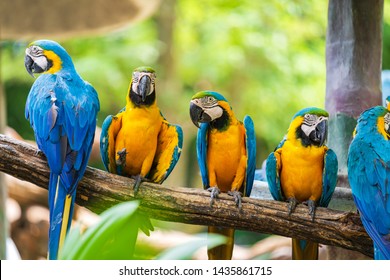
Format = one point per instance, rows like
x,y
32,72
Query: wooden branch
x,y
99,190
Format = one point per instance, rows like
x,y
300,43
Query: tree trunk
x,y
353,70
3,189
353,67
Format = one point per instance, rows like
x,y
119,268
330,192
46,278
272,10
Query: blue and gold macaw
x,y
226,150
369,176
139,142
62,109
302,169
387,103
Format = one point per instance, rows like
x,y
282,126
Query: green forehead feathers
x,y
145,69
312,111
214,94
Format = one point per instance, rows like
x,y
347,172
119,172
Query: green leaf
x,y
186,251
113,237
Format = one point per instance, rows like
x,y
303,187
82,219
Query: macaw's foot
x,y
312,208
237,198
214,194
121,160
38,152
138,180
292,203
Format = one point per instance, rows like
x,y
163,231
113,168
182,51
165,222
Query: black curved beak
x,y
198,115
144,87
31,66
320,134
28,63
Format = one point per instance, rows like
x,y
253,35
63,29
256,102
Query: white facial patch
x,y
41,61
36,54
310,123
214,112
387,121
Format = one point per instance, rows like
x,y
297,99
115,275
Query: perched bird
x,y
369,176
226,150
139,142
385,75
62,109
387,103
302,169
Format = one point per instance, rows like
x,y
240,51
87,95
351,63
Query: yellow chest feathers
x,y
224,154
301,171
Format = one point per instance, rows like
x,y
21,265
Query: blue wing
x,y
368,174
250,141
110,129
329,177
64,124
105,142
62,112
273,176
201,150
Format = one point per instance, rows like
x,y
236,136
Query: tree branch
x,y
99,190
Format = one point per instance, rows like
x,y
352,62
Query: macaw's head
x,y
310,126
210,107
45,56
142,86
388,103
375,119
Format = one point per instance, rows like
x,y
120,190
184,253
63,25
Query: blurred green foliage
x,y
266,57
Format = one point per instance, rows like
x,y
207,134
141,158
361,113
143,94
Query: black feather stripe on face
x,y
137,99
221,123
305,140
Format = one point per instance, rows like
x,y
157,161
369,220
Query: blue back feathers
x,y
369,174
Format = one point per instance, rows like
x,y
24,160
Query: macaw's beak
x,y
31,66
144,87
198,115
320,133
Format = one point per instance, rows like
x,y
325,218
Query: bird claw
x,y
237,198
121,160
292,204
214,194
38,152
138,180
312,208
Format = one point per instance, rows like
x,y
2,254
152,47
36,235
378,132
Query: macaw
x,y
302,169
139,142
387,103
226,151
369,176
385,77
62,109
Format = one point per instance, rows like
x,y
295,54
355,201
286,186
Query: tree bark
x,y
3,189
353,67
99,190
353,72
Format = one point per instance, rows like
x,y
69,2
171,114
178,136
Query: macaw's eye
x,y
210,99
35,50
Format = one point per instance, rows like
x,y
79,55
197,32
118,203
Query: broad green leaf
x,y
113,237
186,251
